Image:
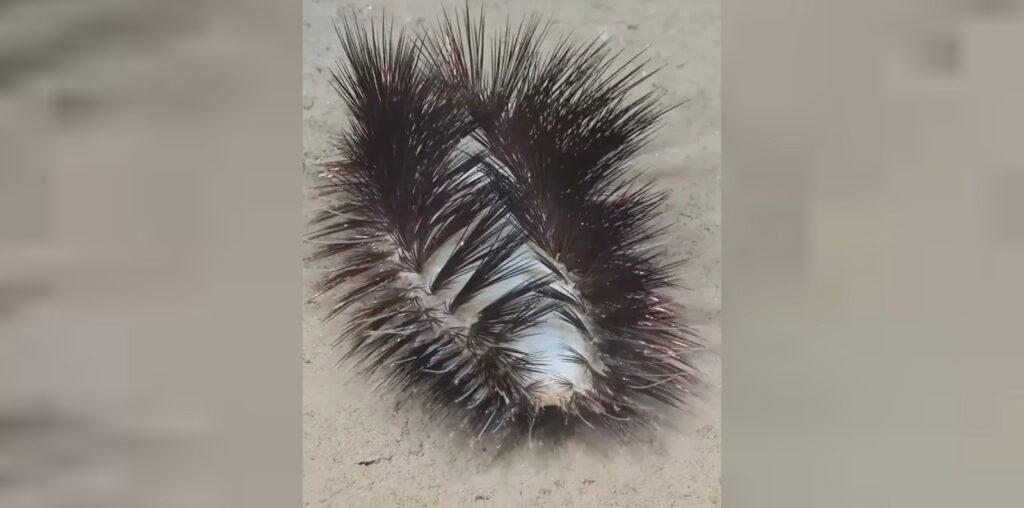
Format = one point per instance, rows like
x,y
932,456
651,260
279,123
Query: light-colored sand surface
x,y
415,463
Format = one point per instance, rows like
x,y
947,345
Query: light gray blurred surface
x,y
132,372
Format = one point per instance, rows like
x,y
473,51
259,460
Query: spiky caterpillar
x,y
495,252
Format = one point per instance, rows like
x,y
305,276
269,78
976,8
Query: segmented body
x,y
494,250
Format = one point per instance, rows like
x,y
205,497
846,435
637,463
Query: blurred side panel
x,y
874,209
150,265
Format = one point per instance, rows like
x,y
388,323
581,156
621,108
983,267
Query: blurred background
x,y
147,154
872,248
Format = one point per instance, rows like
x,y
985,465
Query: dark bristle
x,y
471,249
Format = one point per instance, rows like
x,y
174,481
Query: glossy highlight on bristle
x,y
488,237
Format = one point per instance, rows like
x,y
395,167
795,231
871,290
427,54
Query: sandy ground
x,y
411,463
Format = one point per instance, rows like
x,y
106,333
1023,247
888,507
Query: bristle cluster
x,y
494,251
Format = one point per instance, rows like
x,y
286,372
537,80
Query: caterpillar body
x,y
491,245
